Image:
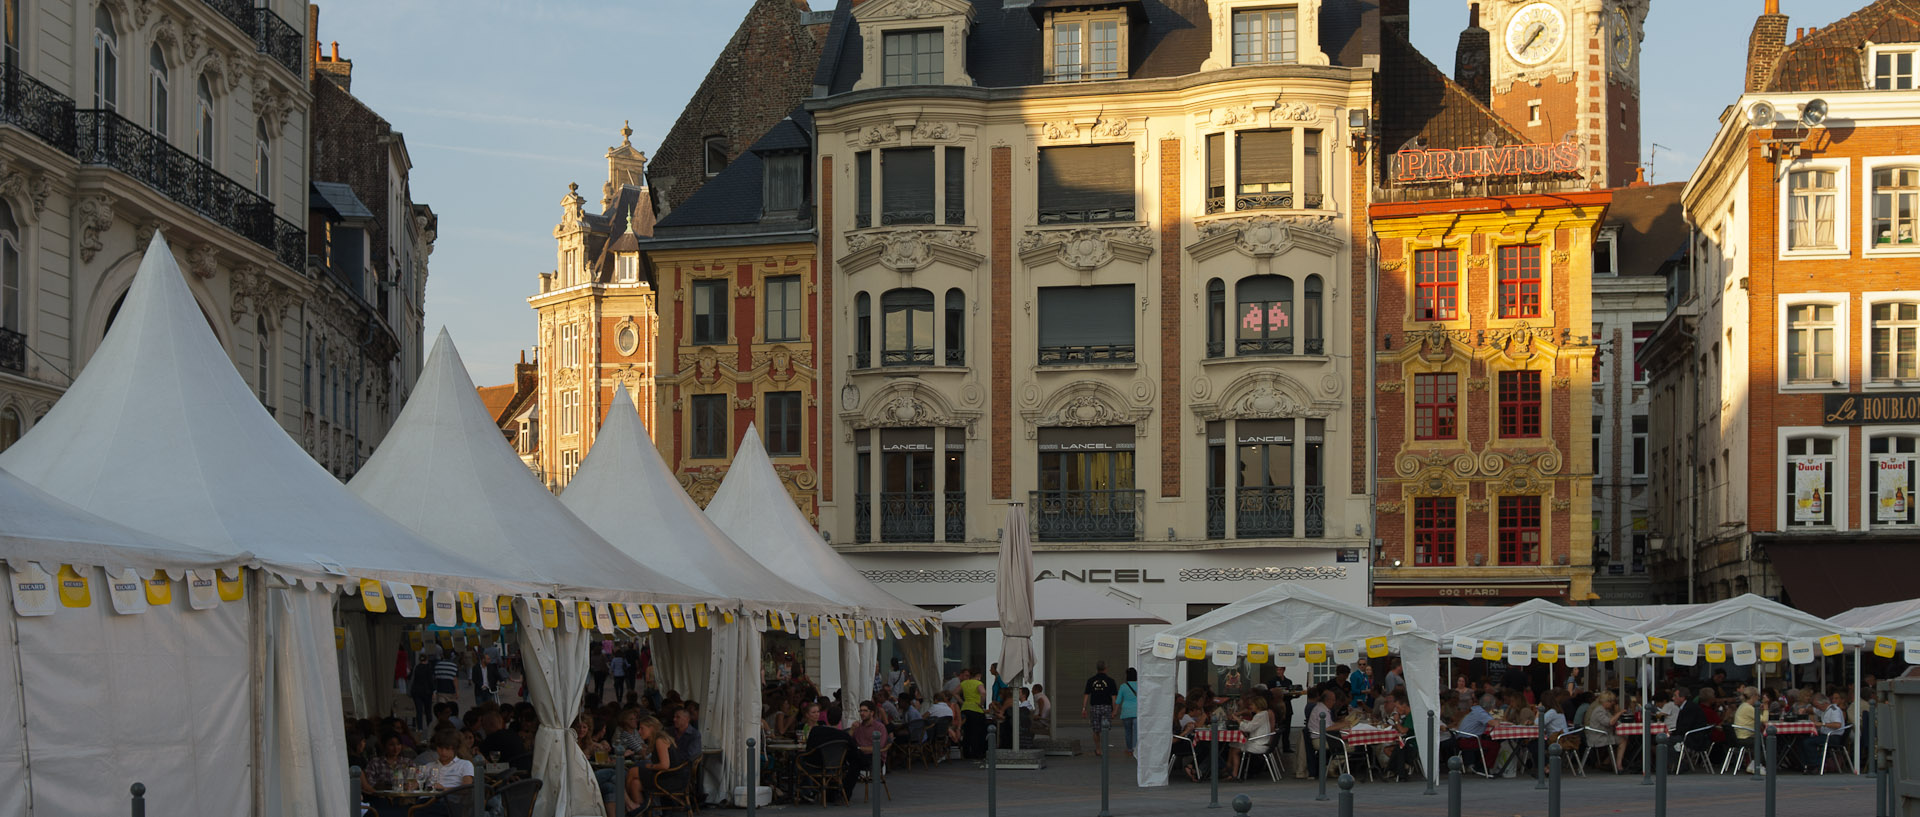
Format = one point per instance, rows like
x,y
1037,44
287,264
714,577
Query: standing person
x,y
402,669
420,689
1096,702
1360,682
446,680
621,671
485,679
1129,697
973,708
999,683
597,666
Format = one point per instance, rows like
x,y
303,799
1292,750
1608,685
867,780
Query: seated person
x,y
448,770
1832,723
870,736
823,734
1256,723
644,780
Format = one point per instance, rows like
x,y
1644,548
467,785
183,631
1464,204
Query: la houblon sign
x,y
1872,409
1447,164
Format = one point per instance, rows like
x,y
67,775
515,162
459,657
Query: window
x,y
1533,112
906,328
203,119
1809,482
1434,536
1893,70
714,151
1216,318
1810,343
627,268
263,360
106,60
1086,184
262,158
10,425
956,179
569,345
1640,338
1896,205
570,411
786,182
1263,501
1895,340
1603,253
1265,36
913,58
1311,319
12,308
783,308
1265,315
1436,400
783,423
1436,285
906,186
1640,422
157,91
863,331
709,427
710,311
569,268
1519,530
627,339
863,189
1598,467
1812,197
12,22
569,464
1086,48
956,328
1520,281
1266,177
1891,479
1086,324
1520,403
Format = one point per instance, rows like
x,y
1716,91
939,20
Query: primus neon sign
x,y
1441,164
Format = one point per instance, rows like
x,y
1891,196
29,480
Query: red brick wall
x,y
1002,249
1170,255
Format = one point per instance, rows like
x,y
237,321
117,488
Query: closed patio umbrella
x,y
1014,593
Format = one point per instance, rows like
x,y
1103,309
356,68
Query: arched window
x,y
1311,319
12,312
203,119
106,60
157,91
263,359
1216,318
262,158
863,331
906,328
956,328
1265,315
10,424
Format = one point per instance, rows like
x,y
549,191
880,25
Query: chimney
x,y
1470,58
1765,46
339,71
1395,15
1639,177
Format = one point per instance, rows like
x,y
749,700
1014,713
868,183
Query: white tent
x,y
445,472
1537,620
1283,616
1895,619
753,507
625,492
225,710
1055,604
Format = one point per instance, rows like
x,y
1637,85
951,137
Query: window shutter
x,y
1216,164
906,186
863,180
1311,182
1266,158
1086,316
956,186
1096,183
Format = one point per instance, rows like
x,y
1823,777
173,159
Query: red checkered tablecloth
x,y
1365,736
1508,731
1633,729
1797,728
1226,735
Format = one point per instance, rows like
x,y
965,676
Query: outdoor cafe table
x,y
1222,735
785,757
1796,727
1370,736
1633,729
1509,731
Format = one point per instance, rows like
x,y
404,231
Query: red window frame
x,y
1520,403
1436,285
1436,405
1519,530
1520,281
1435,532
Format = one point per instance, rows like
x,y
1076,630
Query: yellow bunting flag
x,y
1196,649
726,616
1490,650
1316,653
469,609
773,621
446,639
1830,645
339,638
650,615
74,591
700,617
837,629
1546,653
420,595
232,588
1658,646
1377,647
584,609
813,626
1771,651
160,589
414,640
1885,647
1715,653
550,613
373,596
620,617
1606,650
1257,653
674,615
505,605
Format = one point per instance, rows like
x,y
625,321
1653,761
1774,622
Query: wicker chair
x,y
823,770
457,800
517,798
673,788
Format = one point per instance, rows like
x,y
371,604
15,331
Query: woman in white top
x,y
1258,729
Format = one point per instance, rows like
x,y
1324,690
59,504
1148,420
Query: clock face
x,y
1535,33
1622,39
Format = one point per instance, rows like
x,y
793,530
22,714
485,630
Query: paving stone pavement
x,y
1070,787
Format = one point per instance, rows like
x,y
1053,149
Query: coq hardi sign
x,y
1872,409
1442,164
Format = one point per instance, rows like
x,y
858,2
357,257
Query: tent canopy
x,y
1055,604
1899,619
37,527
1537,620
753,507
624,491
445,472
1743,618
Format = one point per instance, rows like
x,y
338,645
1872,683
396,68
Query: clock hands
x,y
1533,34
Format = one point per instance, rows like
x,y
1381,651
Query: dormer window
x,y
785,183
913,42
716,155
1086,46
1266,36
627,268
1893,67
1264,32
914,58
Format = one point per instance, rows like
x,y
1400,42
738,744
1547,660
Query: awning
x,y
1827,576
1465,589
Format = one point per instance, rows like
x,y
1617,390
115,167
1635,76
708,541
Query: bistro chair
x,y
1479,748
915,745
823,771
1273,766
674,787
516,798
938,743
457,800
1696,752
866,782
1844,754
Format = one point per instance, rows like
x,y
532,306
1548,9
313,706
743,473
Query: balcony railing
x,y
889,218
13,351
1264,201
1216,513
906,516
1316,346
1071,355
862,518
240,12
1120,213
1087,515
1264,512
956,516
907,357
1316,511
278,39
35,107
1282,345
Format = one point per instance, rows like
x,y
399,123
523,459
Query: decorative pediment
x,y
1086,248
909,404
911,250
1267,236
1266,394
706,366
882,10
1087,403
1456,461
1432,483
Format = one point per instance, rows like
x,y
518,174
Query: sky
x,y
504,102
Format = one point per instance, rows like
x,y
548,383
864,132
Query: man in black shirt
x,y
1097,702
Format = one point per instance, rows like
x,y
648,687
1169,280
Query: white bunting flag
x,y
1578,653
203,593
1465,648
1686,653
489,610
1635,645
787,621
1402,623
400,594
33,593
1519,653
1346,652
569,617
446,608
1285,652
128,593
602,617
1225,653
1745,653
1166,646
1800,652
1913,651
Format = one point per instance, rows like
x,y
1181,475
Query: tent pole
x,y
1854,715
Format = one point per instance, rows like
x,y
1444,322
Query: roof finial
x,y
626,133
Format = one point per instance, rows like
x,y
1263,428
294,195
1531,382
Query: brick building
x,y
1570,69
1783,434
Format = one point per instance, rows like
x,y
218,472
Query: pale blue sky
x,y
503,102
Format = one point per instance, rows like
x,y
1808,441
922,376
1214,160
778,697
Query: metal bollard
x,y
1106,751
1433,747
479,788
1540,757
993,793
1757,765
1879,786
1346,795
139,791
1325,765
620,775
1242,804
1773,765
1664,746
877,769
1213,766
1453,786
753,778
1553,780
353,791
1646,743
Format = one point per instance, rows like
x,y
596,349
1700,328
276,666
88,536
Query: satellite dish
x,y
1813,113
1761,115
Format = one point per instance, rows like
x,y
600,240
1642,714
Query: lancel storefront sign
x,y
1872,409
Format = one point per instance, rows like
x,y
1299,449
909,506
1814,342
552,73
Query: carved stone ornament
x,y
1266,394
1388,507
1476,261
909,250
1110,128
1477,505
95,214
1087,404
1562,382
743,403
873,135
1293,112
935,131
566,376
1561,256
1087,248
30,191
1477,384
256,292
203,260
909,404
1459,463
1391,385
1266,236
1233,116
1562,504
1055,131
1391,265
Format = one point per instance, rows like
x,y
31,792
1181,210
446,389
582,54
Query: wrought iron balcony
x,y
1216,204
271,35
35,107
862,518
240,12
13,351
889,218
906,516
956,516
1071,355
1282,345
1216,513
1087,515
956,216
1264,512
956,356
907,357
1316,346
1316,511
862,220
1263,201
1120,213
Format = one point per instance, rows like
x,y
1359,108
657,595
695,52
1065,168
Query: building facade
x,y
1569,70
1783,437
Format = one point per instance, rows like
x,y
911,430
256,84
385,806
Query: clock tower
x,y
1570,69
